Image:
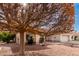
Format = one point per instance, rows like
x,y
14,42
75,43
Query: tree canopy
x,y
41,18
48,18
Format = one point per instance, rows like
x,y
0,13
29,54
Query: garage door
x,y
65,38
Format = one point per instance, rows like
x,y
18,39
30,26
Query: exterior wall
x,y
65,38
37,38
60,37
54,38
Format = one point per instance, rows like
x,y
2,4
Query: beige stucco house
x,y
35,36
65,37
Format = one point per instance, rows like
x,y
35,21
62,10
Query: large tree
x,y
47,18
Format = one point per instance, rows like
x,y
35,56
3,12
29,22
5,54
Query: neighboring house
x,y
65,37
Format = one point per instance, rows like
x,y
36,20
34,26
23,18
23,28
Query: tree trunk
x,y
22,44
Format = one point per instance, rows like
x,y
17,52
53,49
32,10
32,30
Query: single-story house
x,y
65,37
36,37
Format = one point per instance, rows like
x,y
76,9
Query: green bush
x,y
0,37
6,36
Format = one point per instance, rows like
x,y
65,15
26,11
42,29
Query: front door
x,y
29,40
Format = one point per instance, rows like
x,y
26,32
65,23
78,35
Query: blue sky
x,y
76,26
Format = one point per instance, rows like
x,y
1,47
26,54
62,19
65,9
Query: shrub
x,y
6,36
0,37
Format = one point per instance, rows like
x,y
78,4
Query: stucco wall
x,y
65,38
60,37
35,36
54,38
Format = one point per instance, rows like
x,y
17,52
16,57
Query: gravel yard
x,y
37,50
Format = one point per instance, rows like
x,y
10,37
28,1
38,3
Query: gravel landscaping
x,y
54,49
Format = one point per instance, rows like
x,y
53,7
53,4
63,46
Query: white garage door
x,y
65,38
